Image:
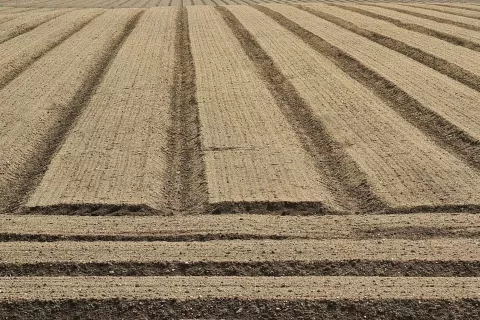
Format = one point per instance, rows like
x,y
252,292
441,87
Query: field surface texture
x,y
239,159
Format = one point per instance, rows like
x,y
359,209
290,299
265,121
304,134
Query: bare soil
x,y
269,161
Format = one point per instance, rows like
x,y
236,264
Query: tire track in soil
x,y
417,28
34,171
185,186
430,123
9,76
347,182
354,267
425,16
441,65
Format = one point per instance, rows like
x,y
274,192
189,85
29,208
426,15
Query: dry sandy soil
x,y
272,159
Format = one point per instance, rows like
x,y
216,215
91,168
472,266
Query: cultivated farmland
x,y
269,159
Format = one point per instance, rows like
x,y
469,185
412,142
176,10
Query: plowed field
x,y
271,159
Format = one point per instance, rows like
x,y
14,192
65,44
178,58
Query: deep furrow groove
x,y
35,171
9,237
353,267
409,233
433,125
197,308
301,208
441,65
346,179
185,188
94,210
15,73
436,19
415,27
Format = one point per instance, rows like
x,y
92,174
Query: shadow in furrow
x,y
346,180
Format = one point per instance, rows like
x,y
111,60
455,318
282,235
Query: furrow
x,y
327,152
457,35
10,237
414,175
142,3
434,31
24,12
15,10
462,22
105,3
4,17
128,4
25,23
151,3
465,6
116,153
164,3
252,155
456,62
186,182
434,111
87,4
211,227
386,257
120,3
273,306
77,4
41,104
35,4
58,4
23,50
281,268
446,9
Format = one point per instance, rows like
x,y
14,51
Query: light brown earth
x,y
241,251
116,151
185,3
7,15
390,152
18,53
454,19
34,118
441,94
447,9
184,288
251,153
26,22
269,161
411,226
450,29
468,59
